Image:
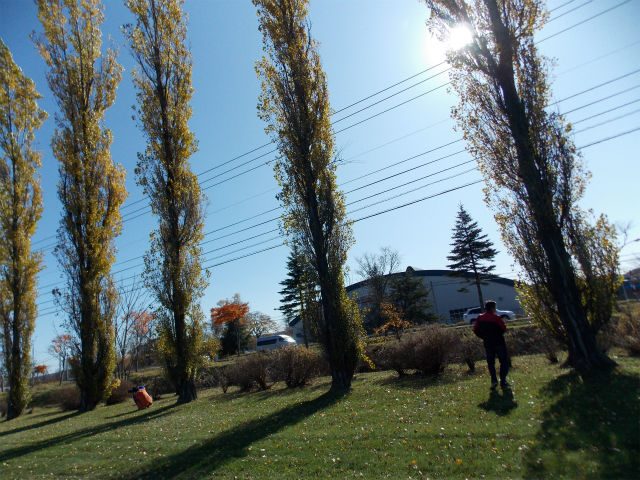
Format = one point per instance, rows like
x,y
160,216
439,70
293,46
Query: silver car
x,y
473,313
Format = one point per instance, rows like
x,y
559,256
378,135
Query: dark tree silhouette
x,y
471,251
411,298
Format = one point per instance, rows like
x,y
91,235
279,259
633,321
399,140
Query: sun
x,y
458,37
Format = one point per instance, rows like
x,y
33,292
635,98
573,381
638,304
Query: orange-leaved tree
x,y
231,315
393,320
39,370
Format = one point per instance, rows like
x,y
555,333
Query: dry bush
x,y
222,378
207,377
120,393
470,350
395,355
427,351
68,398
159,386
533,340
239,377
296,366
434,347
627,330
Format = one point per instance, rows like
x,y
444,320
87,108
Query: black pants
x,y
493,350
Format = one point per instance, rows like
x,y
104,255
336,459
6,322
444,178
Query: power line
x,y
599,85
596,125
569,11
604,112
561,5
582,22
340,110
573,26
606,139
601,99
359,188
407,204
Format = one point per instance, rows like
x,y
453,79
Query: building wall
x,y
447,301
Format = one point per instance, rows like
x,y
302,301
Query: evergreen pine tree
x,y
298,295
411,298
471,251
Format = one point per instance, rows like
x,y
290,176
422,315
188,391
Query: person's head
x,y
490,306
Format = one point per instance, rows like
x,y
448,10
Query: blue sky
x,y
365,46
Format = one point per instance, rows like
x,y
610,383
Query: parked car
x,y
471,315
272,342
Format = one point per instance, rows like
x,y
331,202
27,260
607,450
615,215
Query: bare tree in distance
x,y
61,349
375,269
260,323
132,299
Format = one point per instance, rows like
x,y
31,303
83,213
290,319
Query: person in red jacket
x,y
490,328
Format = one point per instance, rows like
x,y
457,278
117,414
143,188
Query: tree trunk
x,y
341,379
563,286
479,287
88,399
187,391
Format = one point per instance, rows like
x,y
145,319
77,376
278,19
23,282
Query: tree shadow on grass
x,y
591,431
502,403
412,381
20,451
42,423
201,460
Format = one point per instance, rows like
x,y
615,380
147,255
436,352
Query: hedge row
x,y
295,366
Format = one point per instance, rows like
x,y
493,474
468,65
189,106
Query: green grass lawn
x,y
554,425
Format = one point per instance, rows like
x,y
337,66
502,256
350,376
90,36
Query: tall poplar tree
x,y
20,210
91,189
532,169
295,104
471,252
173,271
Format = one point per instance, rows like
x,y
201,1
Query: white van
x,y
272,342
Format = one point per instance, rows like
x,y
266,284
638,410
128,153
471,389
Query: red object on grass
x,y
142,398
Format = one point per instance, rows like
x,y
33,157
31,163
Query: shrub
x,y
159,386
222,378
395,355
207,378
296,366
120,393
627,331
434,346
69,398
258,367
532,340
239,376
427,351
469,350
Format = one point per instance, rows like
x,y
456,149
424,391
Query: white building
x,y
451,296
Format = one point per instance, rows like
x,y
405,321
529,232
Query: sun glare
x,y
459,37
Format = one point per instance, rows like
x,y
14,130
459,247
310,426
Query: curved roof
x,y
437,273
